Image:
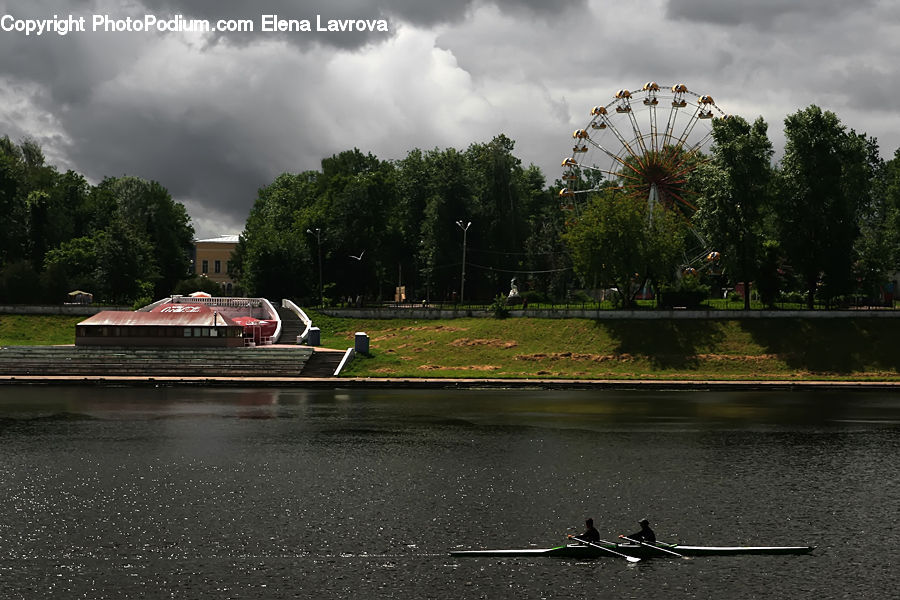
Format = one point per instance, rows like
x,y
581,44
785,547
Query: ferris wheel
x,y
644,143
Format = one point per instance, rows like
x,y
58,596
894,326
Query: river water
x,y
265,493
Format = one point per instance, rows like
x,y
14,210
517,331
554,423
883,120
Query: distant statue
x,y
513,297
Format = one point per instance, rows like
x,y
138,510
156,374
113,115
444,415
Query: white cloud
x,y
214,119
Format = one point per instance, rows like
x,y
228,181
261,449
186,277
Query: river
x,y
268,493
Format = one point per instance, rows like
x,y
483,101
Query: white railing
x,y
274,315
307,322
348,356
226,302
234,304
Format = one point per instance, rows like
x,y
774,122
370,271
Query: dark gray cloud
x,y
762,13
215,118
193,156
415,12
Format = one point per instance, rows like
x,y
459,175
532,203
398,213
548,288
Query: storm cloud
x,y
215,116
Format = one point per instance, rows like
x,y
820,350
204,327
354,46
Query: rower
x,y
590,534
645,534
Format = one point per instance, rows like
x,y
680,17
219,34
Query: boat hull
x,y
580,551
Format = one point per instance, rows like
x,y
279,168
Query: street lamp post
x,y
462,284
318,234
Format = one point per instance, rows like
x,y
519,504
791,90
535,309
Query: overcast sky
x,y
215,116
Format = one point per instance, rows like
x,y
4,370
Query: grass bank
x,y
767,349
854,349
38,330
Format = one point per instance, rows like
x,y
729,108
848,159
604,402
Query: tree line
x,y
124,240
821,223
382,225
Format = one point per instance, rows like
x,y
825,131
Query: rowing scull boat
x,y
639,551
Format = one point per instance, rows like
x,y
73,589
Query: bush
x,y
581,296
792,297
535,297
146,295
197,283
19,283
499,307
688,292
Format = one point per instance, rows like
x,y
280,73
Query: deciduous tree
x,y
617,244
734,189
825,178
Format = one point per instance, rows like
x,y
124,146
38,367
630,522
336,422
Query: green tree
x,y
770,279
197,283
53,218
41,207
19,282
359,191
503,197
123,255
13,191
406,217
163,224
275,256
617,244
892,205
71,266
734,186
546,254
825,178
496,176
449,200
878,246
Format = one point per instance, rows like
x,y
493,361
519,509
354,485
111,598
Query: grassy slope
x,y
784,349
38,330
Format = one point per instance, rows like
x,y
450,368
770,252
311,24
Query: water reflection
x,y
582,408
268,493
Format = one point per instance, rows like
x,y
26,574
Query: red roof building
x,y
167,325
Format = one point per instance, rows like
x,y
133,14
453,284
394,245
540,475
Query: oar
x,y
631,559
654,546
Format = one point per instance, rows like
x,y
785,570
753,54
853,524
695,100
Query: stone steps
x,y
291,325
322,364
223,362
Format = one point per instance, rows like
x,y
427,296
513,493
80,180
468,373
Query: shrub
x,y
499,307
688,292
535,297
580,296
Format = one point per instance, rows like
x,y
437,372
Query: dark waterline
x,y
267,493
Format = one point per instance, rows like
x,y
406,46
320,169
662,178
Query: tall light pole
x,y
462,284
318,234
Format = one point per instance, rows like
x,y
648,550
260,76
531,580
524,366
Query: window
x,y
218,266
205,267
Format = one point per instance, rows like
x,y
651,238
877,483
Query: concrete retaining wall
x,y
572,313
58,309
611,315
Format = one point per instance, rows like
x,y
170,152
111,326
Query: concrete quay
x,y
439,383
